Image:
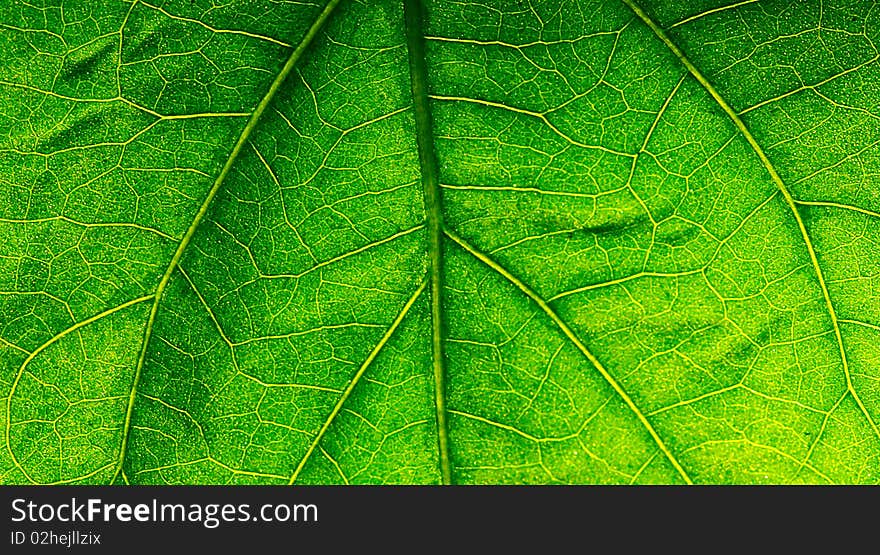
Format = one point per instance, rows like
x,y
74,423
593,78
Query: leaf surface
x,y
273,242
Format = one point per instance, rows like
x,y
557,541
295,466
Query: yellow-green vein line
x,y
40,349
774,175
203,210
710,12
214,29
433,210
12,345
839,205
567,331
355,379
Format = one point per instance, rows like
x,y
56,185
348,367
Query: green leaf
x,y
571,241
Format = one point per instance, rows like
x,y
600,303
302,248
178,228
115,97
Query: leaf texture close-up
x,y
439,242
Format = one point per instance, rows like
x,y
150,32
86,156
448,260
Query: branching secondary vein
x,y
567,331
355,379
37,351
254,119
774,175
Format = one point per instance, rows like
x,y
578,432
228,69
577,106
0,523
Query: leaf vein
x,y
567,331
774,175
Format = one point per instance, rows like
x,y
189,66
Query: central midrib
x,y
415,40
413,12
252,122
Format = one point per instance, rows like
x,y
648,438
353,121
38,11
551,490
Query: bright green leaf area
x,y
507,241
